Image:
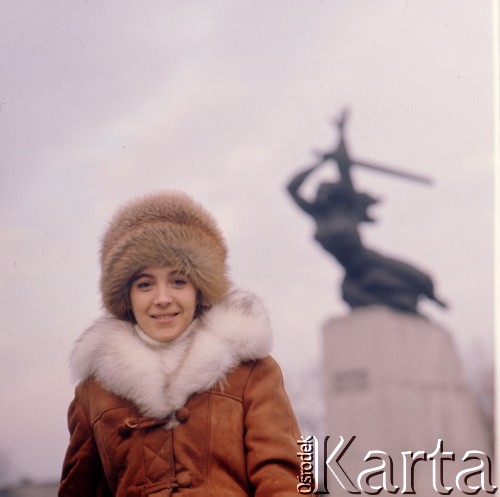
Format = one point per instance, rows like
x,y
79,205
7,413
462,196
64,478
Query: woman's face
x,y
163,301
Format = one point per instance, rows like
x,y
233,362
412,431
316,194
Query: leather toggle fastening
x,y
167,492
182,415
168,487
184,479
131,424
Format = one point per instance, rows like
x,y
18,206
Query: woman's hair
x,y
163,229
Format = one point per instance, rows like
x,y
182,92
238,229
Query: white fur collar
x,y
160,378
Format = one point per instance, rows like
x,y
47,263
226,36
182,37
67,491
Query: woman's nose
x,y
163,296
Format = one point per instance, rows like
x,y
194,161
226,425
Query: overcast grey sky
x,y
104,100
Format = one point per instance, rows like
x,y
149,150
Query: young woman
x,y
177,393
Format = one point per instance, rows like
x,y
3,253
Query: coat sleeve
x,y
271,433
82,473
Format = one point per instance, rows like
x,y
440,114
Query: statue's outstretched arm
x,y
295,184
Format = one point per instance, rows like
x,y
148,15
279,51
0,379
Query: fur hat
x,y
161,229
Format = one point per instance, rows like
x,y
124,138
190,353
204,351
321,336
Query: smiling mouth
x,y
165,316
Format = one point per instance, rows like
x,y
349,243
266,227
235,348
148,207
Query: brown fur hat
x,y
161,229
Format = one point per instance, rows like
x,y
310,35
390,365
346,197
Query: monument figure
x,y
338,209
392,378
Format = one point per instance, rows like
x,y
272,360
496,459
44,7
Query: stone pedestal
x,y
394,381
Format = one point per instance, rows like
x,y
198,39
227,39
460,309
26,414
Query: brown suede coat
x,y
236,439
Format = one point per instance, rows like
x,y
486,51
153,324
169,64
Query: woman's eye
x,y
143,285
179,282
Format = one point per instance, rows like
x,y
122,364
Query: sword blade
x,y
395,172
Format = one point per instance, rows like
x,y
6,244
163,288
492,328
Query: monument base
x,y
395,383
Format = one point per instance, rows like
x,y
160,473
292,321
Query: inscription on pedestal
x,y
350,381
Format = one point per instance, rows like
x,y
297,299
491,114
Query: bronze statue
x,y
338,209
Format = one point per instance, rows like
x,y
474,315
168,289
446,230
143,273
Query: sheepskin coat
x,y
205,415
